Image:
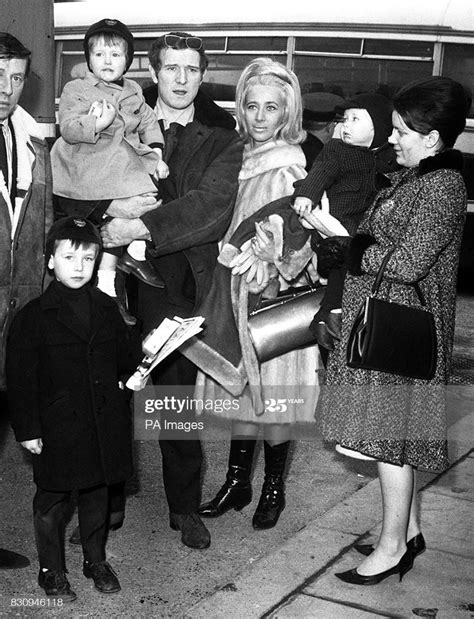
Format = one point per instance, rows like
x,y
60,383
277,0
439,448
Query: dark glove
x,y
356,251
332,253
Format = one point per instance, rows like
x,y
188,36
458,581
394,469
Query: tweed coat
x,y
114,163
23,230
391,418
63,388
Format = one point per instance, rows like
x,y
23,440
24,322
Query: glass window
x,y
224,71
420,49
269,44
458,63
349,76
328,45
217,44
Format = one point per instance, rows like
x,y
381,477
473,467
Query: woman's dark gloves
x,y
331,252
357,247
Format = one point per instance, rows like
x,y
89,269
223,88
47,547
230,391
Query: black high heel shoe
x,y
354,578
416,545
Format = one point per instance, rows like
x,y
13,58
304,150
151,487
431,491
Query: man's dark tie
x,y
171,140
3,157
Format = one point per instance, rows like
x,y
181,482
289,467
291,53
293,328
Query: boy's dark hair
x,y
112,30
435,103
11,47
154,53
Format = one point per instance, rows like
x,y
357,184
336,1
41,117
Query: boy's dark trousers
x,y
50,510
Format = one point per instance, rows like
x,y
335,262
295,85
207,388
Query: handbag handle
x,y
379,277
309,282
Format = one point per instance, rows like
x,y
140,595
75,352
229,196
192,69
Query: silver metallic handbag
x,y
281,324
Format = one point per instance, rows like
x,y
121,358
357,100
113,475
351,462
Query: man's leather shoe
x,y
104,577
10,560
193,532
55,584
140,269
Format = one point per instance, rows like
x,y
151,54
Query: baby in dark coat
x,y
66,353
346,169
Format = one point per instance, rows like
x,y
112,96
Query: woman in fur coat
x,y
268,105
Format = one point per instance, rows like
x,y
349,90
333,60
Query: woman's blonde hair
x,y
268,72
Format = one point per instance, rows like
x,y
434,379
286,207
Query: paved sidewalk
x,y
288,571
297,579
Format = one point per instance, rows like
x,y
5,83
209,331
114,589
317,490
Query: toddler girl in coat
x,y
66,353
111,142
346,169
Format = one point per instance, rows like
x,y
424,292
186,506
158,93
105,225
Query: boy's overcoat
x,y
63,387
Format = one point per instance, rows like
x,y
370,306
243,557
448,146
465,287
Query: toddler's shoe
x,y
104,577
55,584
322,335
141,269
334,323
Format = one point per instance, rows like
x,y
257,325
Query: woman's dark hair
x,y
435,103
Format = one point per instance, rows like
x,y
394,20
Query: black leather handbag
x,y
281,324
392,337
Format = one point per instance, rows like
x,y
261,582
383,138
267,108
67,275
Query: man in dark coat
x,y
204,154
66,352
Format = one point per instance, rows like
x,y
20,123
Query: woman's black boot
x,y
272,499
236,493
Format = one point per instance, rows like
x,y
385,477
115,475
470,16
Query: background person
x,y
26,210
397,421
319,121
204,155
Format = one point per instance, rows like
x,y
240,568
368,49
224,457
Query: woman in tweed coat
x,y
400,422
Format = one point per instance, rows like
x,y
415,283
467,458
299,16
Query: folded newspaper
x,y
160,342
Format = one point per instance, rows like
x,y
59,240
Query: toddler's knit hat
x,y
114,27
74,229
380,111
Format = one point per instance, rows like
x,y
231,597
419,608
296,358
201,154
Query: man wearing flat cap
x,y
319,119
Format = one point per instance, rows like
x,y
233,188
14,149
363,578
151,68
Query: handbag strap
x,y
379,277
309,281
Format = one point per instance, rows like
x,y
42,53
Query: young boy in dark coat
x,y
66,352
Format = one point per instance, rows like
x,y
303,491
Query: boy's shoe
x,y
104,577
55,584
141,269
